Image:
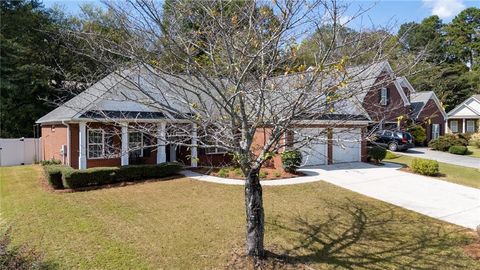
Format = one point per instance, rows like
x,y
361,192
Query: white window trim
x,y
452,126
102,143
142,146
214,151
383,96
435,131
472,126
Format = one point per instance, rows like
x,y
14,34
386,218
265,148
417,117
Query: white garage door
x,y
314,152
346,145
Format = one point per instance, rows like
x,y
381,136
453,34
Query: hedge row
x,y
65,177
54,173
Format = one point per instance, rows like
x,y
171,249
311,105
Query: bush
x,y
475,139
54,173
50,162
419,134
465,136
458,150
377,153
443,143
263,174
223,172
291,160
425,166
109,175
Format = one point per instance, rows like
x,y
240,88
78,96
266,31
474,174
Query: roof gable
x,y
420,99
470,107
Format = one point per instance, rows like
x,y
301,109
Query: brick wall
x,y
53,137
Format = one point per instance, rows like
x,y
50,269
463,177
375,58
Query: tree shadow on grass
x,y
356,236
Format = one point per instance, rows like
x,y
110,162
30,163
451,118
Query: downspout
x,y
68,144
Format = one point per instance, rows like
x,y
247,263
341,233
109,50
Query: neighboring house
x,y
86,132
465,118
391,105
427,111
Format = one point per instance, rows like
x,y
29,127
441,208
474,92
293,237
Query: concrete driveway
x,y
424,152
446,201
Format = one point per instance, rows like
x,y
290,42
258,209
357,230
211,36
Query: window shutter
x,y
388,96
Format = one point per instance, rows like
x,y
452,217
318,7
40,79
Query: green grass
x,y
473,151
186,224
448,172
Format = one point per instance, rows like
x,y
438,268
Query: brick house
x,y
393,103
98,127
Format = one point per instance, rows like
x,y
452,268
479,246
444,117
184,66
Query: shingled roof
x,y
116,97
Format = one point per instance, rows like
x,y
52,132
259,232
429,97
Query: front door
x,y
435,131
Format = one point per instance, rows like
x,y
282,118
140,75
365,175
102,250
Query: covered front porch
x,y
470,124
101,144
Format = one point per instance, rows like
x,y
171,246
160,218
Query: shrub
x,y
239,172
458,150
465,136
277,174
377,153
223,172
475,139
50,162
263,174
419,133
425,166
291,160
54,173
109,175
443,143
89,177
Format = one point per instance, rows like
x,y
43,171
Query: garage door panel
x,y
313,152
346,145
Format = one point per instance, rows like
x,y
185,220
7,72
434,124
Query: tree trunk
x,y
255,214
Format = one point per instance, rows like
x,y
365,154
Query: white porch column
x,y
463,125
194,154
161,141
124,152
82,147
447,128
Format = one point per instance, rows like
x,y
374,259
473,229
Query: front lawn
x,y
448,172
187,224
473,151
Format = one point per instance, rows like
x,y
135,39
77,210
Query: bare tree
x,y
228,68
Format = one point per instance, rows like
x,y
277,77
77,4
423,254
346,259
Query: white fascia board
x,y
402,94
452,112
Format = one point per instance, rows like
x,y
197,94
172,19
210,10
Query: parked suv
x,y
394,140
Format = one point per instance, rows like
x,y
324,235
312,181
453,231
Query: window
x,y
383,96
454,126
95,143
214,150
135,143
435,131
387,133
470,126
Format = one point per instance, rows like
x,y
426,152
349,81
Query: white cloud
x,y
445,8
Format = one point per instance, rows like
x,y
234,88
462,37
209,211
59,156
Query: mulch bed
x,y
272,173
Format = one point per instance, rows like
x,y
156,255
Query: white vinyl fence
x,y
20,151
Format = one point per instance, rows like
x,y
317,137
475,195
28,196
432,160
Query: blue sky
x,y
383,12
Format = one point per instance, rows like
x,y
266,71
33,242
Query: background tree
x,y
463,35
